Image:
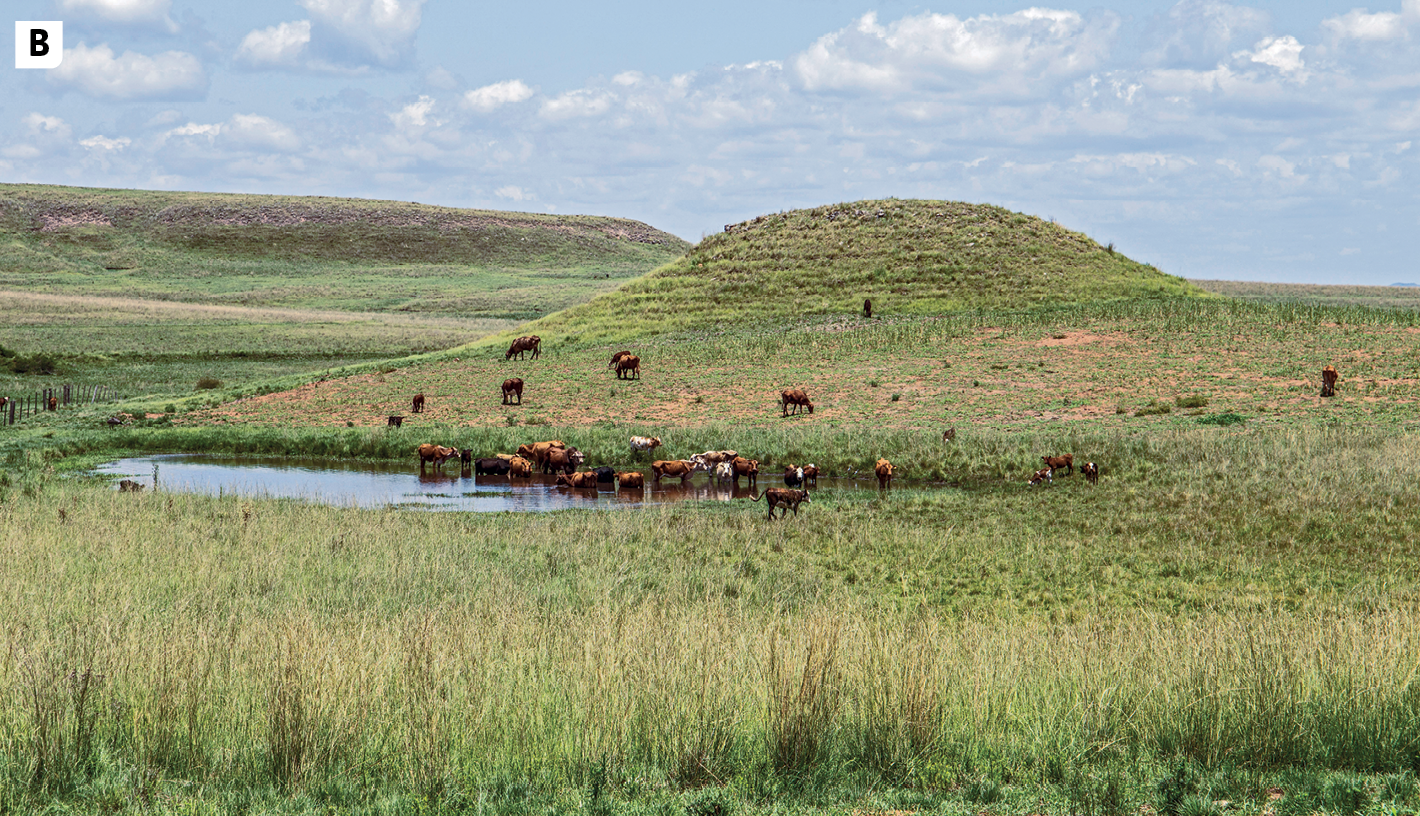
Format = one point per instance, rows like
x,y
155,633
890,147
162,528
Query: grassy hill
x,y
908,257
315,252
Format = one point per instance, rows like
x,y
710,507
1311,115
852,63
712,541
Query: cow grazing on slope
x,y
627,481
513,388
795,397
1066,461
524,344
883,470
437,454
785,498
1091,471
1328,382
616,358
641,444
628,365
417,404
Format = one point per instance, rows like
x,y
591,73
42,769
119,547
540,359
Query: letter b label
x,y
39,44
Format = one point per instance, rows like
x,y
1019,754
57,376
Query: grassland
x,y
1382,297
1225,624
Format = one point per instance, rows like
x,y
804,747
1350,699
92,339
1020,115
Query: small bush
x,y
33,364
1154,408
896,397
1228,418
874,383
1195,401
983,792
208,383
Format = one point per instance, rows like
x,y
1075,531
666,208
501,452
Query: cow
x,y
513,388
438,454
518,466
793,475
1328,382
1042,475
674,467
524,344
584,479
883,470
795,397
605,474
130,486
949,434
616,358
628,365
466,457
811,473
709,458
641,444
417,404
1056,462
492,466
394,421
1091,471
724,472
629,480
54,403
785,498
537,451
748,468
867,308
566,460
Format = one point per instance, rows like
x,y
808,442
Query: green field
x,y
1224,624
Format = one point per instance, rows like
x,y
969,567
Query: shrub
x,y
208,383
1228,418
1195,401
33,364
1154,408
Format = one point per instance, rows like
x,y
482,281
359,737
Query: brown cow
x,y
129,486
54,403
867,307
631,480
616,358
1091,471
566,460
586,478
1056,462
537,452
1328,382
524,344
628,365
795,397
395,421
1042,475
674,467
811,473
748,468
518,466
417,404
640,444
511,388
438,454
883,469
949,434
785,498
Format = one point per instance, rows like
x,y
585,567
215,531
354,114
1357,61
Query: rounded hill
x,y
906,256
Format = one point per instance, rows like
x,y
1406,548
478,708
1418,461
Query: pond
x,y
381,484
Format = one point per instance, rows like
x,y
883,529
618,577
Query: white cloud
x,y
1282,53
924,49
577,104
1280,167
98,73
106,144
279,45
49,128
513,193
415,115
242,132
123,11
1358,25
382,29
491,97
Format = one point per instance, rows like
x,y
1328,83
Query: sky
x,y
1270,141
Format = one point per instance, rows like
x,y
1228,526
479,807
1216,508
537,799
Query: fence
x,y
15,409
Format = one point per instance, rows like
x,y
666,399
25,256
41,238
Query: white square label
x,y
39,44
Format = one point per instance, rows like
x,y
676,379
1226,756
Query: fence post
x,y
66,393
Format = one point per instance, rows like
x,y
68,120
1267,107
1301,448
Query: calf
x,y
883,470
513,388
640,444
785,498
628,365
797,398
466,457
1328,382
395,421
1091,471
1056,462
417,404
1042,475
811,473
630,480
492,466
949,434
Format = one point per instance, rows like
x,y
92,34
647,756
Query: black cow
x,y
605,475
492,467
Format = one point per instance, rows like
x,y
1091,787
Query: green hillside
x,y
908,257
315,252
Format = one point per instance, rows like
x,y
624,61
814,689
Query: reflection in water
x,y
371,484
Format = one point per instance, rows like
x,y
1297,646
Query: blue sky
x,y
1265,141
